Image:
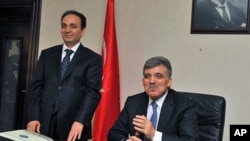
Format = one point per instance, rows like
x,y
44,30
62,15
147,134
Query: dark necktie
x,y
65,62
64,66
225,15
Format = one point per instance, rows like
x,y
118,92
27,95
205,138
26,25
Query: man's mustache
x,y
152,86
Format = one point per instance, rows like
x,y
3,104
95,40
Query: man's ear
x,y
170,81
83,31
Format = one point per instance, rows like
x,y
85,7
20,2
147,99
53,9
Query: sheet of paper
x,y
24,135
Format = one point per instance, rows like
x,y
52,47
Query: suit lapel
x,y
57,63
143,105
166,111
143,108
233,13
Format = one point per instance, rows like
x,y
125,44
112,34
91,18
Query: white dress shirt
x,y
159,102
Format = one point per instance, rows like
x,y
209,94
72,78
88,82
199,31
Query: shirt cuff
x,y
157,136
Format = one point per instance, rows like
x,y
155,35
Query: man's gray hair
x,y
156,61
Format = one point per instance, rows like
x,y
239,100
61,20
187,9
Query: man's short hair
x,y
156,61
78,14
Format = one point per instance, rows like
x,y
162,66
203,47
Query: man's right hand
x,y
144,126
34,126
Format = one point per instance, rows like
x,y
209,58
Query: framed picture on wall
x,y
220,16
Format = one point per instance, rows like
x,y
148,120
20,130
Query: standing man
x,y
63,96
159,113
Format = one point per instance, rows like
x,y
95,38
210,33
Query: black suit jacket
x,y
206,17
78,90
177,119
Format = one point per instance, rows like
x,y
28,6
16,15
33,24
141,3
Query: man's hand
x,y
34,126
143,125
75,131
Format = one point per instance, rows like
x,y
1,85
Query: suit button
x,y
59,87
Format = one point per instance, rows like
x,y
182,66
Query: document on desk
x,y
23,135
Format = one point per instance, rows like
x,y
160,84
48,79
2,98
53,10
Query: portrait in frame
x,y
220,16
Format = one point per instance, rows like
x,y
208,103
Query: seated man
x,y
159,113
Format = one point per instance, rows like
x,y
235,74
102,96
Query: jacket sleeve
x,y
35,90
92,94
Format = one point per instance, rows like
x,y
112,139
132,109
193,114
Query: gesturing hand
x,y
143,125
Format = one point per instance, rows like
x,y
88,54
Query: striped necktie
x,y
154,115
65,62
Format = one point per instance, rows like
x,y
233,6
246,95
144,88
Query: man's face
x,y
156,81
71,30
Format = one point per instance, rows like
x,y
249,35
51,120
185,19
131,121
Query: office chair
x,y
210,111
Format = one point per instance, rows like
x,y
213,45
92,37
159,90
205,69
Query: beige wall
x,y
216,64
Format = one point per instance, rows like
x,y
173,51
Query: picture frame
x,y
208,18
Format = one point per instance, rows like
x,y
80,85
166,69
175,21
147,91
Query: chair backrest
x,y
211,115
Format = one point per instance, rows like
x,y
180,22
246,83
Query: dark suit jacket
x,y
78,91
177,119
206,17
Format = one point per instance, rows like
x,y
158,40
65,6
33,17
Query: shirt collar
x,y
218,4
74,48
159,101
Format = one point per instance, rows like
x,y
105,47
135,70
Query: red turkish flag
x,y
109,108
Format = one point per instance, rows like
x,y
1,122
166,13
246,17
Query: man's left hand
x,y
76,131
